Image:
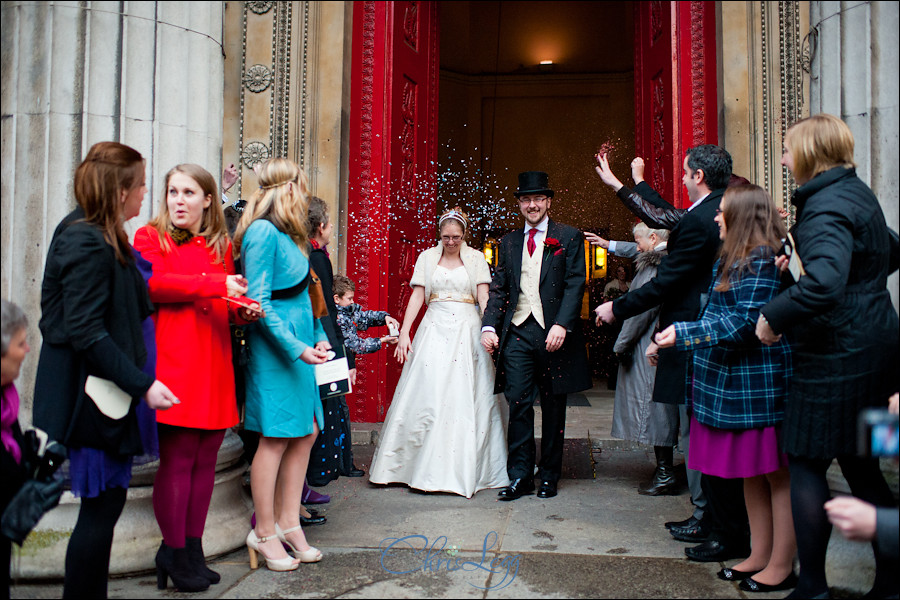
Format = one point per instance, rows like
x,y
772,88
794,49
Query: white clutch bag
x,y
109,398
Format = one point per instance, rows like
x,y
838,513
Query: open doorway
x,y
538,86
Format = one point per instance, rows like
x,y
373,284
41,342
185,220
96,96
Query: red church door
x,y
676,100
393,151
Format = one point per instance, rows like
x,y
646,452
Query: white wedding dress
x,y
445,430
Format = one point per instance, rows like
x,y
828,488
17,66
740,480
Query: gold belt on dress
x,y
438,298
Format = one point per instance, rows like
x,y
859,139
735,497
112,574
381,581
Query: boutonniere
x,y
553,244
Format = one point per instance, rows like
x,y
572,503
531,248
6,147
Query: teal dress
x,y
282,396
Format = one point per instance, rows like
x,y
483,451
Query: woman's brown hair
x,y
282,204
108,170
751,220
212,225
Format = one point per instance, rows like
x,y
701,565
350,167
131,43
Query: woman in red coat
x,y
187,243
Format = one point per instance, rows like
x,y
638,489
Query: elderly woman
x,y
844,330
13,348
635,416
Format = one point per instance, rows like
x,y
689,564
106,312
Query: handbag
x,y
40,492
317,296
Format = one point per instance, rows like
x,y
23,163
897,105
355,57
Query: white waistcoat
x,y
529,283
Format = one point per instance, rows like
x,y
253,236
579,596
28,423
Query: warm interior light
x,y
546,62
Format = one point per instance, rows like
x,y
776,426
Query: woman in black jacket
x,y
844,334
93,302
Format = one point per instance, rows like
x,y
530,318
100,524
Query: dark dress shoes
x,y
686,523
698,531
517,488
715,551
547,489
355,472
312,519
727,574
751,585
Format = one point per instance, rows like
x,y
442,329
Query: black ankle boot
x,y
174,563
194,547
664,482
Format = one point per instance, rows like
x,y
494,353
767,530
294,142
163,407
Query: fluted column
x,y
147,74
854,76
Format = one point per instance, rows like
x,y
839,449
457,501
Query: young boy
x,y
353,319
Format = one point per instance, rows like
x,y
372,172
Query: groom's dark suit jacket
x,y
561,288
682,279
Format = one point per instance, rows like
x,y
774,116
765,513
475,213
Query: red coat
x,y
193,339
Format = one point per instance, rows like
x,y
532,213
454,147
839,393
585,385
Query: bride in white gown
x,y
445,430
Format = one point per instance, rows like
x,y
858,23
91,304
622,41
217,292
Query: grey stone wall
x,y
854,76
147,74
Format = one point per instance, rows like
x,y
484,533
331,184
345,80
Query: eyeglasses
x,y
451,238
528,200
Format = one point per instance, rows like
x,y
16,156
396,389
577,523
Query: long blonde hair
x,y
212,225
282,204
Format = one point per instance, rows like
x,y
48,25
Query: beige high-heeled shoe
x,y
306,556
274,564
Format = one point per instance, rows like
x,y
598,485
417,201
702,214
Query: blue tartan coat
x,y
738,382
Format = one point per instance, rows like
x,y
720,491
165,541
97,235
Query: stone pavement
x,y
597,539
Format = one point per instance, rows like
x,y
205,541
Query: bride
x,y
445,430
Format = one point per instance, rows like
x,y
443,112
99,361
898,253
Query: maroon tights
x,y
184,481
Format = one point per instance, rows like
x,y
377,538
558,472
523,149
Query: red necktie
x,y
531,244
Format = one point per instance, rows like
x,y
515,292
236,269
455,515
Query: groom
x,y
535,307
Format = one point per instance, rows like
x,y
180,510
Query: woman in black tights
x,y
843,329
94,305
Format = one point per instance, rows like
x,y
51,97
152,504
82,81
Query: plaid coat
x,y
738,382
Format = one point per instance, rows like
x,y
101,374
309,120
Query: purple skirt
x,y
735,453
92,471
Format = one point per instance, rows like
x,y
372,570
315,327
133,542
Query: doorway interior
x,y
538,86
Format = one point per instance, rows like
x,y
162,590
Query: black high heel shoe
x,y
194,547
175,564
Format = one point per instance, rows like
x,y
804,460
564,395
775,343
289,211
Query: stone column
x,y
854,76
147,74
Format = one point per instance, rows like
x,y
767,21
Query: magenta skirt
x,y
735,453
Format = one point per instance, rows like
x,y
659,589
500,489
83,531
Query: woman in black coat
x,y
93,302
844,333
332,454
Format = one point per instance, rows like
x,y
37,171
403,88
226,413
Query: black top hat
x,y
533,182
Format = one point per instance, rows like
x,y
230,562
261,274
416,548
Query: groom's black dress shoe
x,y
715,551
695,532
686,523
547,489
516,489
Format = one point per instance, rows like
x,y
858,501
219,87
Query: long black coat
x,y
92,307
838,317
561,289
682,277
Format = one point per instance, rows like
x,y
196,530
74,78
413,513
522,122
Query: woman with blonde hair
x,y
193,270
844,331
446,429
282,396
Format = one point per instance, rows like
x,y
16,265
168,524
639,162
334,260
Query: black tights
x,y
809,492
87,557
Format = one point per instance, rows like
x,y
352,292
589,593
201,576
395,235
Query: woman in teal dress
x,y
282,397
